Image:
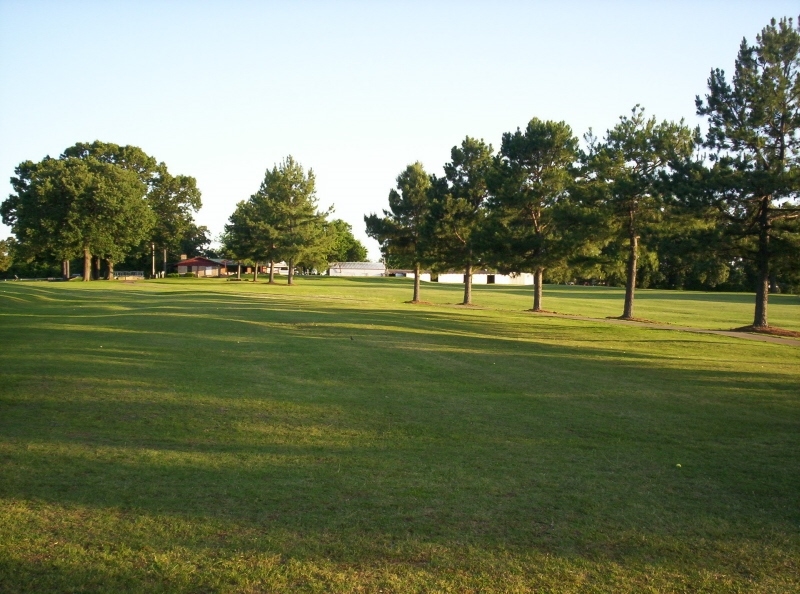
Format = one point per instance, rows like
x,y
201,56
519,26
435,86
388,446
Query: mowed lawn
x,y
212,436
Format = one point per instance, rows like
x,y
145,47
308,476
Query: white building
x,y
423,276
357,269
482,277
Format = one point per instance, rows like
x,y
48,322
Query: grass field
x,y
209,436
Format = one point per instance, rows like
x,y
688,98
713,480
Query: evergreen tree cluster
x,y
282,222
650,204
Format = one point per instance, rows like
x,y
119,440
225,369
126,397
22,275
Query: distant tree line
x,y
650,204
282,222
102,204
107,206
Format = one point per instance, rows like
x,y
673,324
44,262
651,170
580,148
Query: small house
x,y
200,266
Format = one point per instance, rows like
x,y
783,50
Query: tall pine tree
x,y
754,136
534,172
458,209
402,230
626,171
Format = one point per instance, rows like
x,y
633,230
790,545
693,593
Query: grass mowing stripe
x,y
211,436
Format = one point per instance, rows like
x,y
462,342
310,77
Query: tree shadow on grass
x,y
341,434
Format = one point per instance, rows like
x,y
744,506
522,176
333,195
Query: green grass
x,y
205,436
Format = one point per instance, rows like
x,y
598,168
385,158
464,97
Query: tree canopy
x,y
173,199
458,209
626,169
533,175
344,247
754,136
99,200
281,221
402,231
6,257
62,207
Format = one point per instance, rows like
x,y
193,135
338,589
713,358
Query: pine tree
x,y
402,229
534,172
754,136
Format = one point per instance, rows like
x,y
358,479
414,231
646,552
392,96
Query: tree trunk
x,y
255,272
537,289
110,270
291,271
762,298
468,284
238,271
65,269
630,285
762,288
272,272
96,268
416,283
87,265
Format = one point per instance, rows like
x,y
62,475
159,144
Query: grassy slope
x,y
211,436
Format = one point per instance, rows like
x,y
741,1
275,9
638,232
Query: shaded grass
x,y
203,436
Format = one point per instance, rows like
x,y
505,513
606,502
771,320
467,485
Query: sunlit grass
x,y
184,436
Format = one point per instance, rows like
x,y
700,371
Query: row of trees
x,y
100,202
282,222
649,195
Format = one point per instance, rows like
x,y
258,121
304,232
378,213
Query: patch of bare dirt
x,y
771,330
640,320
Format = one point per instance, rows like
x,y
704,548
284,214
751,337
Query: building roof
x,y
474,272
229,262
198,261
358,266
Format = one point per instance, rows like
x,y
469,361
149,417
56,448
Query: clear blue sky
x,y
355,90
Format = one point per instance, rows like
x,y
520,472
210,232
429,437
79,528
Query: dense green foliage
x,y
71,205
344,247
458,210
282,222
403,230
625,170
6,257
534,173
754,133
230,437
99,201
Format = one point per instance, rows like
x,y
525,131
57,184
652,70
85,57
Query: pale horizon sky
x,y
354,90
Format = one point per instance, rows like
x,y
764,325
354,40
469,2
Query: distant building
x,y
357,269
200,266
280,268
484,277
402,273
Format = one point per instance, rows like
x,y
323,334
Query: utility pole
x,y
153,247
